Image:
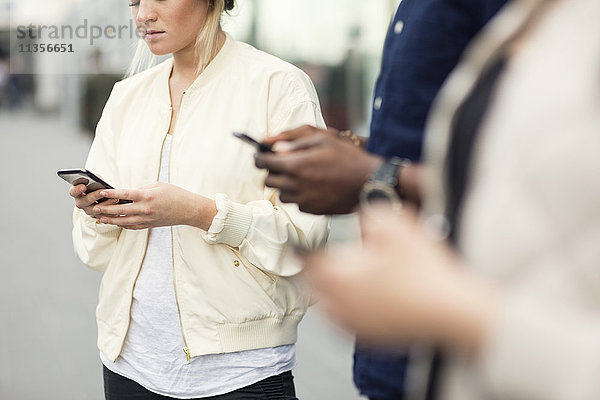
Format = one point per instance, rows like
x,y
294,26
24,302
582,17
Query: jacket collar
x,y
216,67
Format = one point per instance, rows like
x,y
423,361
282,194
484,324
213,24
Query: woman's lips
x,y
153,35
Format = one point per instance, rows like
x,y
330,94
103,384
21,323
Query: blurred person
x,y
198,297
4,78
512,148
324,174
11,85
97,86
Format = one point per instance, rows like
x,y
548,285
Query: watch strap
x,y
388,172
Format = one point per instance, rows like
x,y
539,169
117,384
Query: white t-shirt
x,y
153,354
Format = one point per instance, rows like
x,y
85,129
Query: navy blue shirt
x,y
424,43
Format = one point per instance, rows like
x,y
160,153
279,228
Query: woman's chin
x,y
159,51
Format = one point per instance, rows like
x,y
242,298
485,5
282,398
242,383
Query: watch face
x,y
379,195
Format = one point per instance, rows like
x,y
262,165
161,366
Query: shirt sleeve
x,y
94,242
265,231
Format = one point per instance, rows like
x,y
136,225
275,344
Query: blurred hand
x,y
86,202
316,169
159,204
401,286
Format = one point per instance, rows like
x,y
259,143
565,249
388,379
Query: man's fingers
x,y
301,143
294,134
295,156
281,182
305,143
288,197
282,137
276,164
284,147
299,139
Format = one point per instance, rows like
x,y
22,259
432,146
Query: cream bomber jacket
x,y
235,288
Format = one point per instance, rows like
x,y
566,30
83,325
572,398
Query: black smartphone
x,y
259,146
83,176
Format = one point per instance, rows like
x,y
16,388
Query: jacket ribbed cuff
x,y
235,224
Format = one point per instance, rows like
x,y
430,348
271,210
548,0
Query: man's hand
x,y
315,168
160,204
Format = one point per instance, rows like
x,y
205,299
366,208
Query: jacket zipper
x,y
186,349
143,256
131,302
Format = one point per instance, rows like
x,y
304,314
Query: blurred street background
x,y
47,118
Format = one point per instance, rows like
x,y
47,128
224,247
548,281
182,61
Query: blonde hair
x,y
207,42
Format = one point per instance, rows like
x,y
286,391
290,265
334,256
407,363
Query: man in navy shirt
x,y
324,174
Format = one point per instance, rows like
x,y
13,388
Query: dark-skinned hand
x,y
316,169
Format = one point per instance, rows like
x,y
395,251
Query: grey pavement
x,y
47,297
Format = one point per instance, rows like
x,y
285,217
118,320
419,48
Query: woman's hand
x,y
402,286
86,202
159,204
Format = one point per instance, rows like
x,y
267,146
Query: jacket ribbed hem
x,y
251,335
269,332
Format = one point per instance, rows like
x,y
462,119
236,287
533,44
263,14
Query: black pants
x,y
278,387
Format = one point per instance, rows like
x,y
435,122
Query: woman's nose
x,y
145,12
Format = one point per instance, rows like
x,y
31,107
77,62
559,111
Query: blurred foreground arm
x,y
403,287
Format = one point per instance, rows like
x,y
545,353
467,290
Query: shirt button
x,y
398,27
378,102
236,263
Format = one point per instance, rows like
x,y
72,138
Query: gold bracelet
x,y
350,136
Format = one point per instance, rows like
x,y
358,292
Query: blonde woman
x,y
198,297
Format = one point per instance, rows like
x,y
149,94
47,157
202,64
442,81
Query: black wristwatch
x,y
383,186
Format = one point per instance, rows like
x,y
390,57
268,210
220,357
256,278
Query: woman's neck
x,y
185,62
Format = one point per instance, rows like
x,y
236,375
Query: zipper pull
x,y
188,356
